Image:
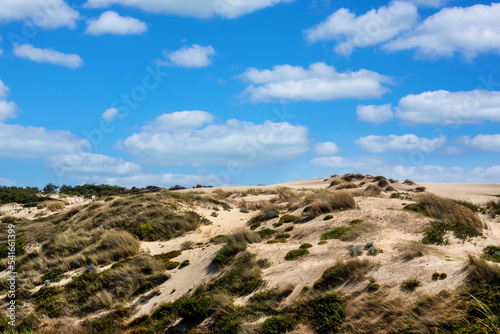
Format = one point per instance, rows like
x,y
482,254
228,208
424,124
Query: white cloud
x,y
78,164
486,143
45,14
47,56
179,121
450,108
393,169
29,143
8,109
375,114
374,27
6,182
162,180
192,8
110,114
190,56
405,143
112,23
318,83
235,142
327,148
468,31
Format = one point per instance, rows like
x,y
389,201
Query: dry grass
x,y
411,250
325,201
446,210
113,246
347,185
52,206
344,271
244,236
66,244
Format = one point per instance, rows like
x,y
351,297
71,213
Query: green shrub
x,y
436,233
322,242
145,231
435,276
328,217
282,236
18,248
443,276
172,265
166,257
227,254
336,233
356,221
266,233
255,225
295,254
373,287
184,263
325,312
49,301
410,284
372,251
492,253
278,224
279,325
305,246
288,219
289,228
54,275
193,308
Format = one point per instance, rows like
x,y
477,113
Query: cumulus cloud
x,y
450,108
8,109
145,179
44,14
327,148
190,56
372,28
235,142
112,23
77,164
430,3
110,114
394,169
30,143
320,82
375,114
464,30
486,143
405,143
179,121
47,56
192,8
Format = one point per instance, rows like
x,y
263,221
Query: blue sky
x,y
220,92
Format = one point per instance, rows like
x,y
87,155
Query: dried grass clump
x,y
411,250
343,272
347,185
325,202
114,246
446,210
52,206
244,236
65,244
373,190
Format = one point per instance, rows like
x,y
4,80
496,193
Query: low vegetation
x,y
295,254
343,272
436,233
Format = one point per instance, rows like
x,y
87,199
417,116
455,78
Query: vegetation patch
x,y
288,219
295,254
356,221
325,313
266,233
336,233
328,217
436,233
226,255
279,324
343,272
410,284
305,246
492,253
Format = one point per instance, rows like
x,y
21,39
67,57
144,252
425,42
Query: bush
x,y
288,219
282,236
289,228
373,287
193,308
325,312
278,224
305,246
436,233
255,225
328,217
355,250
52,206
18,248
326,202
372,251
184,263
172,265
295,254
410,284
492,253
347,185
336,233
264,216
435,276
266,233
356,221
322,242
228,253
279,324
443,276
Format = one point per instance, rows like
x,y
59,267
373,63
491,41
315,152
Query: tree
x,y
50,188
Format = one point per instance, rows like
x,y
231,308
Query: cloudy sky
x,y
164,92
